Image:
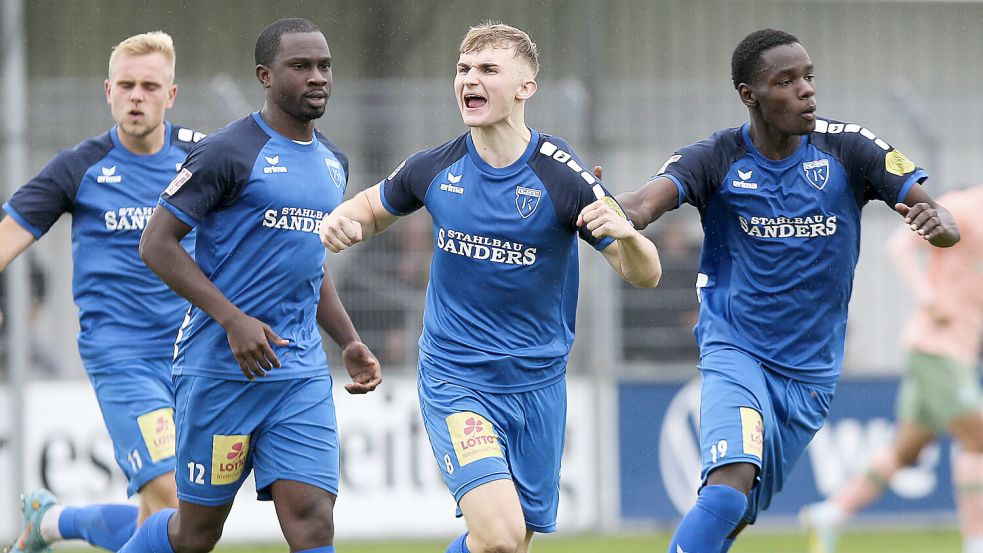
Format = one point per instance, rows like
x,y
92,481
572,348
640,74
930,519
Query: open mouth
x,y
474,101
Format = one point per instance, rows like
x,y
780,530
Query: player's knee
x,y
196,542
159,493
308,524
498,537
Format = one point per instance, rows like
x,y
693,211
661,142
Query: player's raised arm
x,y
355,220
649,202
249,338
928,219
14,239
361,364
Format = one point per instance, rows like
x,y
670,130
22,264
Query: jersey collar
x,y
273,134
511,169
776,164
114,135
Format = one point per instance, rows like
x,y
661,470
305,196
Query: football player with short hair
x,y
508,204
780,199
110,184
252,387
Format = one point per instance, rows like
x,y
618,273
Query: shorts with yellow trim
x,y
937,390
281,429
136,398
478,437
749,414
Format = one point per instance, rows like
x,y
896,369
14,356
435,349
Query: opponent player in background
x,y
780,199
110,184
248,399
940,392
500,305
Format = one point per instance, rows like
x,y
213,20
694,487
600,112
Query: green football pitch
x,y
898,541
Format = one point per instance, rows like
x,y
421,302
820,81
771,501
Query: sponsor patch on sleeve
x,y
178,182
898,164
754,432
473,437
229,454
157,428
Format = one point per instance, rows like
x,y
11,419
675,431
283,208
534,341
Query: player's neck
x,y
771,142
501,144
146,145
287,125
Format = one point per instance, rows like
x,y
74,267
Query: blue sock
x,y
459,545
107,526
151,536
726,547
325,549
706,526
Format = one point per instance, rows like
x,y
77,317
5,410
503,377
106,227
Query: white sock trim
x,y
49,524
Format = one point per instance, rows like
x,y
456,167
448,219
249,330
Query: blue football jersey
x,y
257,199
782,238
125,311
502,297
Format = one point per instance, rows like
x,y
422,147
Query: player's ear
x,y
527,89
171,95
263,75
108,87
747,94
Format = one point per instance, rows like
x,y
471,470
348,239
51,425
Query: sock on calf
x,y
705,527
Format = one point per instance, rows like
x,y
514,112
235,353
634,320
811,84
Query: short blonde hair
x,y
145,43
495,34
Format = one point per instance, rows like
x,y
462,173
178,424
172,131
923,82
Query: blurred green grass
x,y
884,541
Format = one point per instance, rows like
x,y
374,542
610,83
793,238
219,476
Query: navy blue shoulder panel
x,y
569,183
405,189
698,169
185,137
876,170
218,168
39,203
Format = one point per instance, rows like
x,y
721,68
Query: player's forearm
x,y
648,203
332,316
640,263
14,239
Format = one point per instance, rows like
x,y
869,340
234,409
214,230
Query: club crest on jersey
x,y
334,169
527,200
817,172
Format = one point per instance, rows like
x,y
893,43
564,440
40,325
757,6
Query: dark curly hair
x,y
747,55
269,40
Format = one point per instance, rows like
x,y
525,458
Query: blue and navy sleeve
x,y
570,185
877,171
404,190
212,176
39,203
698,169
338,154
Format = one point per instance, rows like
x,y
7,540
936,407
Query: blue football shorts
x,y
136,398
281,429
749,414
478,437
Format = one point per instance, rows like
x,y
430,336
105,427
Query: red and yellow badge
x,y
229,454
473,437
754,432
157,428
898,164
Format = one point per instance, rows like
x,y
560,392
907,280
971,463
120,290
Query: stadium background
x,y
626,82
